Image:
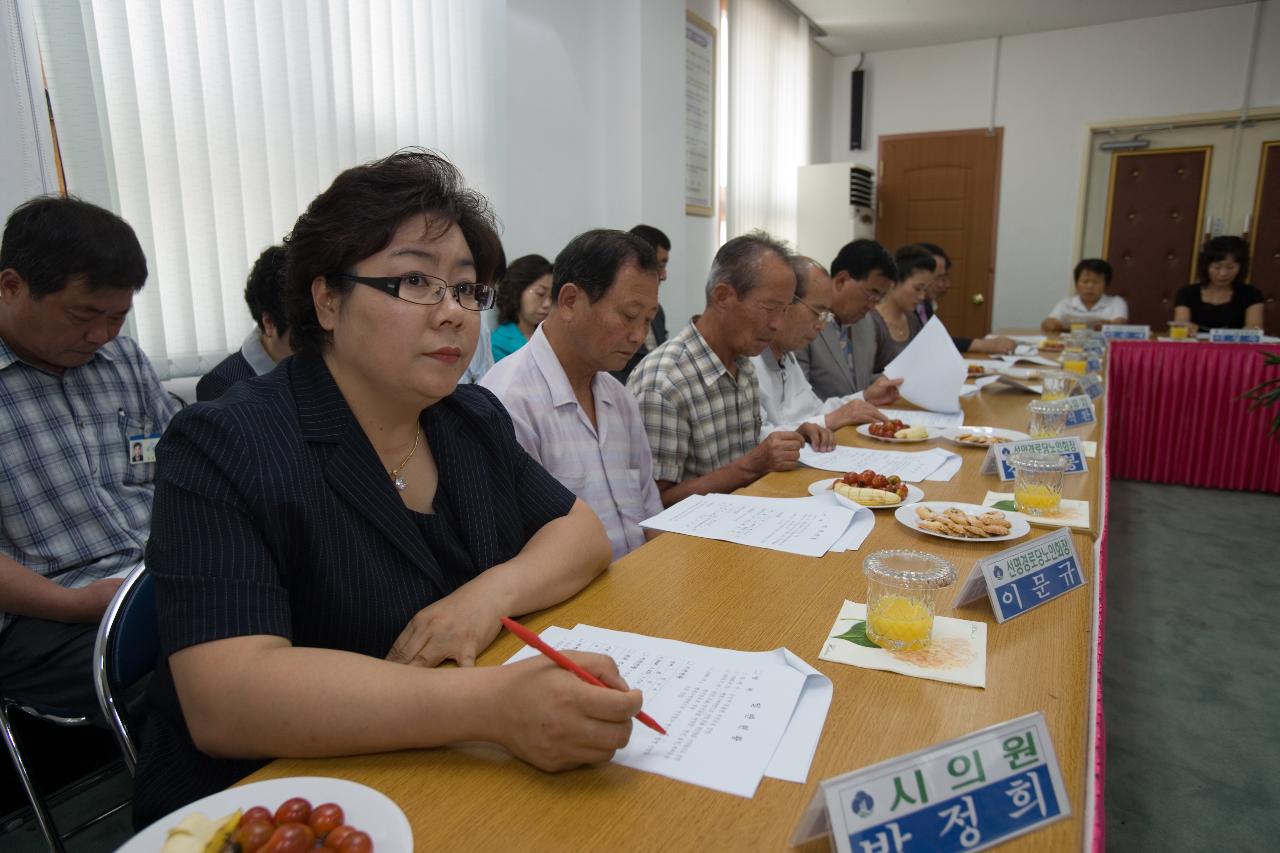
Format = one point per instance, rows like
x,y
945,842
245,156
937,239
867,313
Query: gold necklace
x,y
394,473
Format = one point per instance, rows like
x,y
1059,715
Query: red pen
x,y
531,639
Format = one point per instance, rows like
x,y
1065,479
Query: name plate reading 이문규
x,y
1025,576
1113,332
970,793
999,455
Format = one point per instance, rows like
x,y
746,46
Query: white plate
x,y
914,495
949,435
906,515
364,808
863,430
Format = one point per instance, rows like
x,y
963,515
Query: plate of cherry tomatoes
x,y
890,430
301,813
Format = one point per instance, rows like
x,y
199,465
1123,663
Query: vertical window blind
x,y
209,126
768,116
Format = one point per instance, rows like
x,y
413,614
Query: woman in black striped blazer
x,y
323,536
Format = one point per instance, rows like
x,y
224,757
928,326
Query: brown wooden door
x,y
1155,206
1264,269
943,188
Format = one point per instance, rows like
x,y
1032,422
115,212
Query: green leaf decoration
x,y
1006,505
858,636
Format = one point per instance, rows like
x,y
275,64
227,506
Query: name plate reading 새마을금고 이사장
x,y
1091,384
970,793
1114,332
999,455
1080,411
1025,576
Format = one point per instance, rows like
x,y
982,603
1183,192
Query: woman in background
x,y
895,318
1221,299
524,300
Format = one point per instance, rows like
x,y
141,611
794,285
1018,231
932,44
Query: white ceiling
x,y
858,25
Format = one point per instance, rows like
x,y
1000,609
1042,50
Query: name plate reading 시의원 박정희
x,y
1079,411
1114,332
998,455
970,793
1025,576
1235,336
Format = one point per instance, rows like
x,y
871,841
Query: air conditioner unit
x,y
835,204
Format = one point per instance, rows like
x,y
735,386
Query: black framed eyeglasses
x,y
824,316
422,289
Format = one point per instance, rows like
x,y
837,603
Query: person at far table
x,y
1091,304
524,299
838,363
268,343
325,535
786,397
80,412
658,327
698,392
1221,299
895,319
991,345
569,413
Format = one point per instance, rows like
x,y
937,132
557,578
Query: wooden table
x,y
478,797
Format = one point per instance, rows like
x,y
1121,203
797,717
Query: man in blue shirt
x,y
75,493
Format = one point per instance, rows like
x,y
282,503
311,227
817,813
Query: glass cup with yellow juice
x,y
1057,385
1079,326
1179,331
1076,363
902,594
1037,482
1046,418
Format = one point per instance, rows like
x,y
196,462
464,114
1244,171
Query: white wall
x,y
1051,87
596,124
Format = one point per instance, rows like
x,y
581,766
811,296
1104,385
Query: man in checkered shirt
x,y
698,392
79,410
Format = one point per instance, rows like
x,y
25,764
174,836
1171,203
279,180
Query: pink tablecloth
x,y
1175,415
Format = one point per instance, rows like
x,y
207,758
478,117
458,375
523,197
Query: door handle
x,y
978,299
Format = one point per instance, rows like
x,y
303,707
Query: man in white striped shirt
x,y
786,397
574,418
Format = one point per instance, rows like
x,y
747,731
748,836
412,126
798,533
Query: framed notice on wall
x,y
699,116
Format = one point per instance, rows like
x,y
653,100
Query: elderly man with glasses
x,y
786,397
839,361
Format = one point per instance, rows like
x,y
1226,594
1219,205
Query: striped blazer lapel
x,y
351,466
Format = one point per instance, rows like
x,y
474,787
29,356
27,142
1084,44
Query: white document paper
x,y
948,467
916,417
796,526
911,467
932,369
860,527
969,390
731,717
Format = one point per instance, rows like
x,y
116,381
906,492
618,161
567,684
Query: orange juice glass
x,y
902,594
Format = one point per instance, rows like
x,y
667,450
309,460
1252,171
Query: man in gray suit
x,y
838,362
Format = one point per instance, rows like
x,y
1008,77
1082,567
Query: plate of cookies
x,y
962,522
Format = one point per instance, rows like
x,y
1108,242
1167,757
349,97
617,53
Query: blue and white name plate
x,y
1025,576
1080,410
970,793
1116,332
1091,384
1235,336
998,455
